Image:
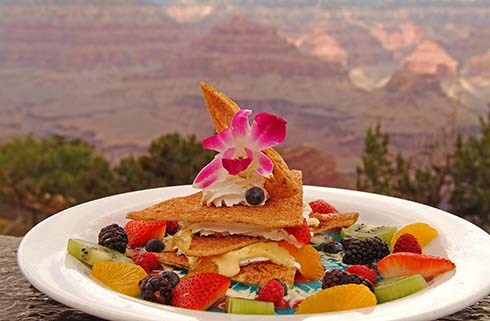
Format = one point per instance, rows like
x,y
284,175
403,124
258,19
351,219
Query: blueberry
x,y
333,247
154,245
255,195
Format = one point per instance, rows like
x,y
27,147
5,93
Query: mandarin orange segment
x,y
309,259
121,277
338,298
424,233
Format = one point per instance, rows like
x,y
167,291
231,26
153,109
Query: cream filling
x,y
229,263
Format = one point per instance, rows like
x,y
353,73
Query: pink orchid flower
x,y
240,146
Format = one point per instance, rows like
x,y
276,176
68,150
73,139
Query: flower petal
x,y
239,123
219,142
265,165
209,174
236,165
268,130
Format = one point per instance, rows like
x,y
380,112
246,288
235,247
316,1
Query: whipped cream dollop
x,y
231,190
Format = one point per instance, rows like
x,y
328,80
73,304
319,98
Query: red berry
x,y
321,206
301,232
200,291
148,261
272,291
407,243
283,305
140,232
363,271
172,227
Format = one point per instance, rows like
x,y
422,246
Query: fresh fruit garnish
x,y
407,243
333,247
200,291
301,233
159,288
363,271
424,233
308,258
154,245
338,298
255,196
392,289
365,251
338,277
114,237
272,291
122,277
322,206
147,260
406,264
364,231
245,306
172,227
140,232
91,253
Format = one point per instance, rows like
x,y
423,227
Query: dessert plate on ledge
x,y
45,263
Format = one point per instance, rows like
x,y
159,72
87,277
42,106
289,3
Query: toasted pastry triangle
x,y
275,213
333,220
221,109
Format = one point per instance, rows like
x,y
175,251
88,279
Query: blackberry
x,y
114,237
158,288
365,251
338,277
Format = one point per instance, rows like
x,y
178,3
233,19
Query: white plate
x,y
43,260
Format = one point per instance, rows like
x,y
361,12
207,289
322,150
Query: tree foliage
x,y
53,173
171,160
470,195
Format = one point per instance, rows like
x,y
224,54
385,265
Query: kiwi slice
x,y
91,253
392,289
364,231
245,306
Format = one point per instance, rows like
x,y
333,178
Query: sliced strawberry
x,y
406,264
200,291
323,207
363,271
301,232
140,232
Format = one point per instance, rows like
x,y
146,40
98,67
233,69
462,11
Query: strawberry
x,y
273,291
147,260
406,264
140,232
301,232
407,243
363,271
321,206
172,227
200,291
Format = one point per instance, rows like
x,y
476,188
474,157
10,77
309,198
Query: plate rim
x,y
24,263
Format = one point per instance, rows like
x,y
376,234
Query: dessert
x,y
248,243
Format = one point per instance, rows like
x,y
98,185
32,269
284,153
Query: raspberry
x,y
301,233
321,206
272,291
172,227
338,277
407,243
158,288
114,237
148,261
364,272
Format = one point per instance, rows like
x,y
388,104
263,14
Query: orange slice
x,y
424,233
122,277
309,259
338,298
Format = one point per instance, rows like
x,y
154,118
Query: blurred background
x,y
103,97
